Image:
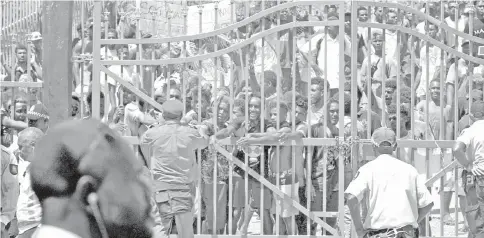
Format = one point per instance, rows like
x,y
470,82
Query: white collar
x,y
52,231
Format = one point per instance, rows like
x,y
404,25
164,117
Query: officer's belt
x,y
396,230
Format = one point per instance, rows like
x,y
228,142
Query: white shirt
x,y
52,231
29,211
434,60
394,192
333,55
473,138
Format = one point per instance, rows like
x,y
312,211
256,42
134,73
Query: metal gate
x,y
162,47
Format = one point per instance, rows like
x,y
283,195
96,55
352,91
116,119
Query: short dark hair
x,y
271,77
205,94
391,83
302,102
240,103
89,98
361,9
282,105
392,109
323,83
20,47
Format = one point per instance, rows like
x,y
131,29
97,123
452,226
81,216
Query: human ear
x,y
85,186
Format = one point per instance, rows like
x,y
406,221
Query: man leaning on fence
x,y
170,150
469,151
397,198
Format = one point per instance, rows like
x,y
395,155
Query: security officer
x,y
170,152
469,151
396,194
9,187
89,183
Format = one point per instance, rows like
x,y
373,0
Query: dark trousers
x,y
474,189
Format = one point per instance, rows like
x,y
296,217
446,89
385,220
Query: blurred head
x,y
333,111
318,87
175,94
393,116
82,166
101,103
384,141
392,18
123,52
223,110
38,117
172,110
362,14
432,30
477,111
301,109
7,136
390,87
239,108
112,34
27,140
435,90
480,8
75,106
278,112
270,80
20,113
200,101
378,11
377,39
333,30
254,107
21,53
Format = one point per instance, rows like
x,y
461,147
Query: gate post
x,y
57,70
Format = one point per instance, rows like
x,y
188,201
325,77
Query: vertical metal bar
x,y
168,76
308,122
231,167
292,37
456,108
107,103
199,82
139,70
214,116
398,85
412,103
263,114
341,165
369,90
442,118
96,50
354,96
383,72
278,101
82,64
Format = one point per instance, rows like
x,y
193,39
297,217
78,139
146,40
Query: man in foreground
x,y
89,184
469,151
396,196
170,151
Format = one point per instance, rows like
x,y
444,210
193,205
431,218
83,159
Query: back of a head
x,y
28,135
172,110
477,110
78,151
384,140
67,152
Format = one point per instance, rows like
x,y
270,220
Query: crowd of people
x,y
253,100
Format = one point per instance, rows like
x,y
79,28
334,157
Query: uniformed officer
x,y
9,186
396,194
170,151
469,151
89,183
